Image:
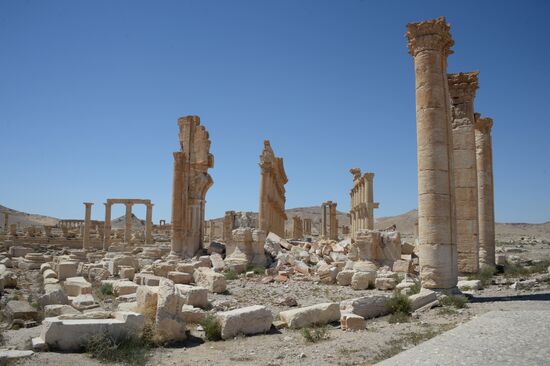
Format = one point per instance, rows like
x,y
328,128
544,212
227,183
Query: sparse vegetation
x,y
231,275
212,328
416,288
106,289
512,269
485,275
457,301
315,334
127,350
258,270
447,311
407,339
399,307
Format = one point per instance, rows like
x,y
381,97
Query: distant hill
x,y
405,223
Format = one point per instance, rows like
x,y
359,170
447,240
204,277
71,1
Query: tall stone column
x,y
6,219
87,224
429,43
462,88
177,204
128,223
486,208
371,205
324,233
107,227
333,233
149,224
307,226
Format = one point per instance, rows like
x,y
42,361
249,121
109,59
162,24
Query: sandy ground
x,y
379,341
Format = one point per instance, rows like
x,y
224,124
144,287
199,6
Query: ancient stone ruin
x,y
362,202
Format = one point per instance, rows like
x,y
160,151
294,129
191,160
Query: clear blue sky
x,y
90,93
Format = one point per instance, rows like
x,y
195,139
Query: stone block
x,y
19,251
75,286
66,270
53,294
124,287
218,265
146,301
469,285
180,277
84,302
369,306
20,310
318,314
169,325
248,321
385,283
192,315
363,280
57,310
352,322
127,272
207,278
49,273
192,295
424,297
344,277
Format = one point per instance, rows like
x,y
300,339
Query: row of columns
x,y
329,224
448,173
362,201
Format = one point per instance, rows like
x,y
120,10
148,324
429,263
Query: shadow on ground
x,y
527,297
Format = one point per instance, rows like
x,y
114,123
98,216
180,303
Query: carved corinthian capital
x,y
429,35
463,86
483,125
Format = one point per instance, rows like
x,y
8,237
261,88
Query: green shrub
x,y
416,288
315,334
456,301
126,350
212,328
399,303
485,275
106,289
231,275
515,270
258,270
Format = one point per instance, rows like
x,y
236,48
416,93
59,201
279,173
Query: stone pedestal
x,y
429,44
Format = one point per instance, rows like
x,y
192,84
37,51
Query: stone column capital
x,y
431,35
369,176
483,124
87,204
463,86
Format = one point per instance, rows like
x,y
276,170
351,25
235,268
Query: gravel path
x,y
495,338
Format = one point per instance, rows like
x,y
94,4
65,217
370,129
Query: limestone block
x,y
318,314
469,285
424,297
12,356
122,260
205,261
180,277
124,287
369,306
49,273
301,267
84,302
58,309
214,282
363,266
162,269
192,315
126,272
98,274
53,294
146,301
344,277
217,262
7,278
352,322
185,267
168,324
248,321
20,310
45,266
192,295
147,279
385,283
19,251
71,334
75,286
66,270
328,275
362,280
403,266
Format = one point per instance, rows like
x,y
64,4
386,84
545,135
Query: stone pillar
x,y
13,229
324,224
297,228
128,223
87,224
429,43
107,227
371,205
333,231
6,219
486,208
177,204
307,226
149,224
462,88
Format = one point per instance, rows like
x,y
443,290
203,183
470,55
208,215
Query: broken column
x,y
462,88
329,224
297,227
128,223
107,227
190,184
486,208
228,225
87,224
6,219
362,201
429,43
307,226
273,178
149,223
